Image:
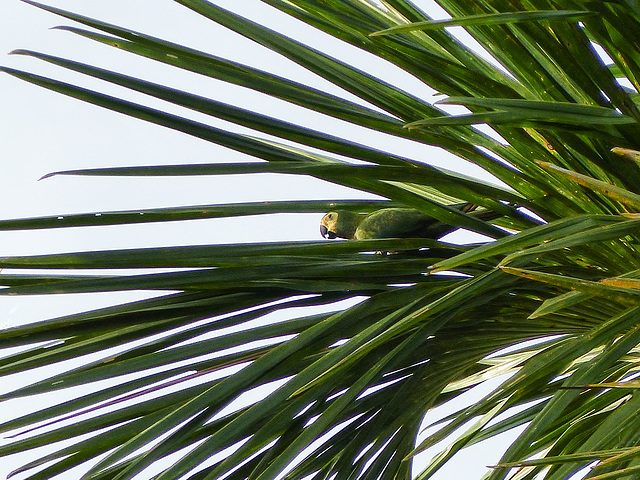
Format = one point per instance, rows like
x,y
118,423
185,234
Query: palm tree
x,y
548,302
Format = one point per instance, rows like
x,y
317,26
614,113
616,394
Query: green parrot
x,y
390,223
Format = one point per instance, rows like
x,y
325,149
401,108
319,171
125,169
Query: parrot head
x,y
340,224
328,225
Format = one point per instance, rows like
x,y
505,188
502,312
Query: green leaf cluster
x,y
550,298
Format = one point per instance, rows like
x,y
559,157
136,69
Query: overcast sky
x,y
41,132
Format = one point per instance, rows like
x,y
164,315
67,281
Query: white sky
x,y
41,131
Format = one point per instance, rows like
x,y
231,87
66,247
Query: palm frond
x,y
365,344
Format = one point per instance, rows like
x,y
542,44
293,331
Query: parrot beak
x,y
324,231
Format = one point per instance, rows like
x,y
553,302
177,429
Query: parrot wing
x,y
400,223
410,223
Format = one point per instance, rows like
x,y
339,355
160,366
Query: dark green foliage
x,y
563,269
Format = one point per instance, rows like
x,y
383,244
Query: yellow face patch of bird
x,y
340,224
328,225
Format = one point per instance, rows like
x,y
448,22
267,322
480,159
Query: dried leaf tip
x,y
627,153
